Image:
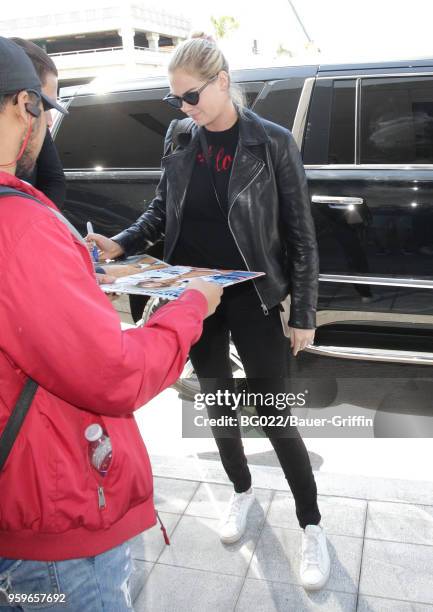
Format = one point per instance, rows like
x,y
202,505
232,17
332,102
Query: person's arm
x,y
50,178
295,209
61,330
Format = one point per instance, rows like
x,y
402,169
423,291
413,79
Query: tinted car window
x,y
121,130
279,100
330,133
250,91
397,120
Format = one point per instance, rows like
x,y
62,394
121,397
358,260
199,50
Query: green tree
x,y
224,25
281,50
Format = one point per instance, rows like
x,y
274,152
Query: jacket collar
x,y
251,131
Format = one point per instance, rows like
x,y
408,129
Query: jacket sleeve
x,y
150,226
302,247
61,330
50,178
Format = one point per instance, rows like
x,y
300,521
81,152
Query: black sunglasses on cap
x,y
190,97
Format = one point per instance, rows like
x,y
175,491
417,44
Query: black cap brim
x,y
49,103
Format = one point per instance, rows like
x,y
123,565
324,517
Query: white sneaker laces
x,y
234,508
311,552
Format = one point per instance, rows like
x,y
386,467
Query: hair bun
x,y
203,36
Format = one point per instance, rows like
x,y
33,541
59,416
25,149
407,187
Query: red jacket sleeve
x,y
61,330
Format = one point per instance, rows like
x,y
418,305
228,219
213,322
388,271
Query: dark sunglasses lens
x,y
192,97
174,101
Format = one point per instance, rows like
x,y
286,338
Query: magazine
x,y
146,275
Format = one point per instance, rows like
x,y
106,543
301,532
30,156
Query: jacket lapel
x,y
178,168
246,166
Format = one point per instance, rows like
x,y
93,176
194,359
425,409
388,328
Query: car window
x,y
278,102
122,130
397,120
119,130
250,91
330,131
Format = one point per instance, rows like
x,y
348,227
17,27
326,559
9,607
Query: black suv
x,y
366,136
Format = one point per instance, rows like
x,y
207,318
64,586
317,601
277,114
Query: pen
x,y
94,251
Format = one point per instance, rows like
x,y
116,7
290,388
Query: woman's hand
x,y
300,338
108,249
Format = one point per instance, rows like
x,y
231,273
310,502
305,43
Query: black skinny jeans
x,y
264,352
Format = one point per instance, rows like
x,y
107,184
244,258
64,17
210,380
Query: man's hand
x,y
211,291
300,338
108,249
104,279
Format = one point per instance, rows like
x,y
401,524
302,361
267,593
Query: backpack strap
x,y
16,419
181,126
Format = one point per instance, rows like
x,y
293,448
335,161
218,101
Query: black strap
x,y
181,126
25,399
205,151
16,419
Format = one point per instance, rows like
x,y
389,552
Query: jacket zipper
x,y
263,305
101,497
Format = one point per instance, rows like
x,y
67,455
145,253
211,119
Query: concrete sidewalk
x,y
380,538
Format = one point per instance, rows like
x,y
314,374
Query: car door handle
x,y
339,202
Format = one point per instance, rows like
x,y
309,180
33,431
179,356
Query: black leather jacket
x,y
269,212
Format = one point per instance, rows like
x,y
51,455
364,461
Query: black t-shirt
x,y
205,238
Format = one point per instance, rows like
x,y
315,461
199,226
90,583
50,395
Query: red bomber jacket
x,y
58,327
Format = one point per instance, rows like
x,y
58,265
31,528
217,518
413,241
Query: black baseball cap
x,y
17,73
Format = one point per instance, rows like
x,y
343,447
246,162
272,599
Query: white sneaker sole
x,y
318,585
232,539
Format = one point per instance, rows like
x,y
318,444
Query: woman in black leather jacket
x,y
233,195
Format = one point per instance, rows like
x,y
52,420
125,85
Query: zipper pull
x,y
265,310
163,529
101,498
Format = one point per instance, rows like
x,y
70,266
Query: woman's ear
x,y
224,80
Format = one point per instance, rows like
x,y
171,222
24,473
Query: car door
x,y
368,152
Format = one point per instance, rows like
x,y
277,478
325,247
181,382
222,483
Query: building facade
x,y
111,40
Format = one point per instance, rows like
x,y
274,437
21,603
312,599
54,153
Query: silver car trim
x,y
343,200
91,175
408,167
372,354
359,75
377,280
328,317
302,111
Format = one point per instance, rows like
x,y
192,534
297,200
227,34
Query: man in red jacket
x,y
64,526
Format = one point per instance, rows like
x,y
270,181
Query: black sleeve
x,y
295,207
49,177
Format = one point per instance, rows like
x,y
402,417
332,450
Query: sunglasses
x,y
190,97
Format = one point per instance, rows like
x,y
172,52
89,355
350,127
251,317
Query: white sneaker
x,y
315,563
234,521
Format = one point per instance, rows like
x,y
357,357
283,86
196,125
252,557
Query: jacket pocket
x,y
128,481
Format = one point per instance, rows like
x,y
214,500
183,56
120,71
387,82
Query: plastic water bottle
x,y
100,450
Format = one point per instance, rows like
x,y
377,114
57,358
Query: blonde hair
x,y
200,55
